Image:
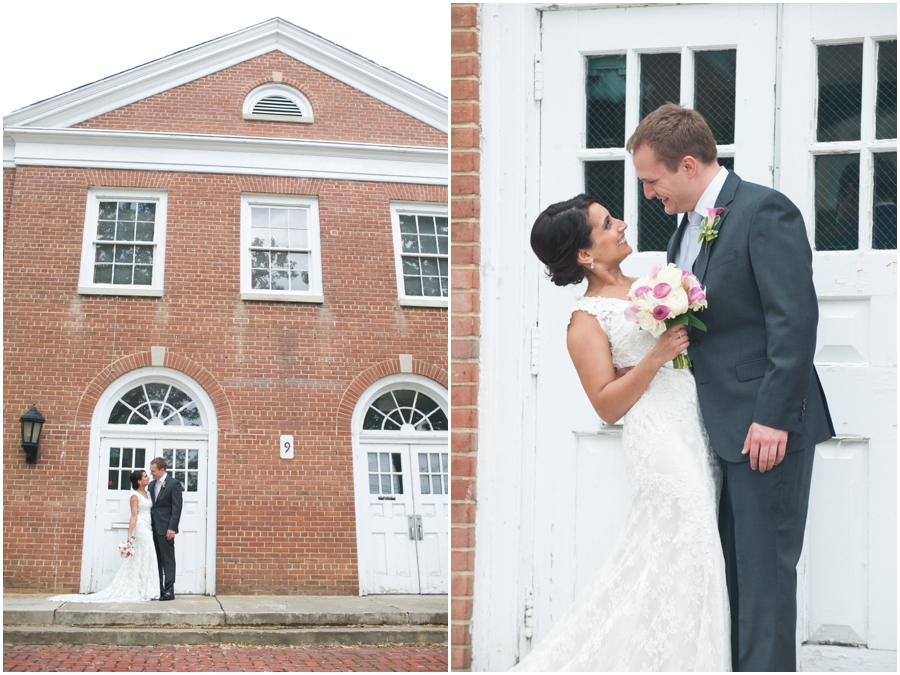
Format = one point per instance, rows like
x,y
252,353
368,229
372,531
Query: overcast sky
x,y
52,47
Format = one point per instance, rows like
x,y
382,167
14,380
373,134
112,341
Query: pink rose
x,y
632,313
661,312
661,290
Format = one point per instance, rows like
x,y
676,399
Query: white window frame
x,y
86,283
272,89
415,209
315,293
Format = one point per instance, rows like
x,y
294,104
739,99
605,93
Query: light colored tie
x,y
690,246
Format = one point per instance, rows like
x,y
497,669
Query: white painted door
x,y
118,457
187,462
406,517
838,151
603,70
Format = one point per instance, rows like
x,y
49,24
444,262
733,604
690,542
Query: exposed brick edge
x,y
370,376
465,210
92,393
296,84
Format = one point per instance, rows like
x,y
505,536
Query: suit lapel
x,y
726,196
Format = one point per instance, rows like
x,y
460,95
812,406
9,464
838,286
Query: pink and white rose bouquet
x,y
667,296
126,549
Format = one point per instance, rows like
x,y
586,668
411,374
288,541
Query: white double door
x,y
118,457
404,528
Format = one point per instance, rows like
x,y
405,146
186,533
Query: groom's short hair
x,y
674,133
159,462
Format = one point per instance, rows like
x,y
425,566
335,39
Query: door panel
x,y
832,139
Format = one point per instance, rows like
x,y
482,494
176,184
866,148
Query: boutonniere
x,y
162,485
709,228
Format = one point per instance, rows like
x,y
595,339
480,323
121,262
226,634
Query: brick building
x,y
234,257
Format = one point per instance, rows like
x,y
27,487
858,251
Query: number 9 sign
x,y
286,447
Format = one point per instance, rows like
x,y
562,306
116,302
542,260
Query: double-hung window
x,y
123,249
421,251
280,252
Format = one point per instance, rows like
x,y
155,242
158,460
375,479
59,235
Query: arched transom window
x,y
405,410
156,404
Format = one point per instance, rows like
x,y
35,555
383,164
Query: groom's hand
x,y
766,447
170,534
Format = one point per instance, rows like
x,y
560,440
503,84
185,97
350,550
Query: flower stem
x,y
682,361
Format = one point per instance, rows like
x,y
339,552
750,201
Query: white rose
x,y
669,275
658,328
648,323
677,301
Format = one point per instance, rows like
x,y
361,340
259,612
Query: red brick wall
x,y
9,179
465,204
272,368
213,105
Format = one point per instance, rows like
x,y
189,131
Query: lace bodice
x,y
629,344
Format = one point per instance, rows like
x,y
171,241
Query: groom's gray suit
x,y
755,364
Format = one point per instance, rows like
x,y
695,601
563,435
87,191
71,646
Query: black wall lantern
x,y
32,423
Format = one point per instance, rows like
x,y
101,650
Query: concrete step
x,y
148,636
200,619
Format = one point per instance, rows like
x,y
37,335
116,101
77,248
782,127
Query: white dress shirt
x,y
688,247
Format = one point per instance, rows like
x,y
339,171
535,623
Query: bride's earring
x,y
592,264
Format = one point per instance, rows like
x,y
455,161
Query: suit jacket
x,y
755,363
165,514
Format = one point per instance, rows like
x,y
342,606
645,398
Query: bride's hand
x,y
671,343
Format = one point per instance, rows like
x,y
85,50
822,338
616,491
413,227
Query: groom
x,y
761,400
165,492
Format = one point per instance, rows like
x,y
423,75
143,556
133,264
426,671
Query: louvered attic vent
x,y
277,102
277,105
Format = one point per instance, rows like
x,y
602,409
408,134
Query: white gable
x,y
204,59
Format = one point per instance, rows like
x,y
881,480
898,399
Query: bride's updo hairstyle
x,y
136,478
557,236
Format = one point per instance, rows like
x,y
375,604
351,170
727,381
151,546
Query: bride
x,y
138,578
660,601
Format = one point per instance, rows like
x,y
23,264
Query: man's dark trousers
x,y
762,548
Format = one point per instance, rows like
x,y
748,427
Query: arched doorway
x,y
401,467
147,413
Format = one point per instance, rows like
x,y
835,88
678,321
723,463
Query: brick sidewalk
x,y
221,658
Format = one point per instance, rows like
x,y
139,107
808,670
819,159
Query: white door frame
x,y
100,429
385,384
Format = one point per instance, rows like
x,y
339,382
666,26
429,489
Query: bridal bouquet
x,y
126,549
667,296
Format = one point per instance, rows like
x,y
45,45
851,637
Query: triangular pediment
x,y
191,64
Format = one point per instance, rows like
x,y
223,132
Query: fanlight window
x,y
405,410
155,403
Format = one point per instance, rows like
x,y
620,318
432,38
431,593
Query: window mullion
x,y
632,115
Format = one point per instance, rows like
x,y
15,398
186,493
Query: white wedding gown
x,y
137,579
659,603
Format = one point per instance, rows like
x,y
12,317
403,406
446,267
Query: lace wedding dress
x,y
138,578
659,603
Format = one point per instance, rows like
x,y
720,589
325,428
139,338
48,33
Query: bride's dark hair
x,y
136,478
558,234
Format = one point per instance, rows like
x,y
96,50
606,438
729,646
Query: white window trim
x,y
86,284
273,88
314,294
418,209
